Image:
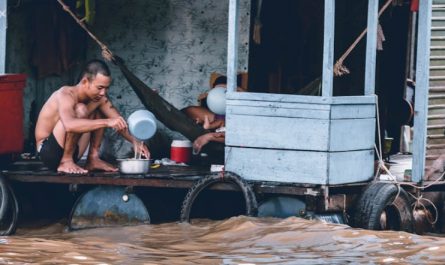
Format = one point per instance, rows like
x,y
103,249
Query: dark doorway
x,y
290,53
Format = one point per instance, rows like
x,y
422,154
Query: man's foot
x,y
71,168
98,164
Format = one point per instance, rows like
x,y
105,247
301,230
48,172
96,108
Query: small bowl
x,y
134,166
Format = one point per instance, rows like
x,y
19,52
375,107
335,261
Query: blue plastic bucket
x,y
142,124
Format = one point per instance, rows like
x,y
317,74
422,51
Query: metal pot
x,y
134,166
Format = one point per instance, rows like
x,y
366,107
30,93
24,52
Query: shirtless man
x,y
77,115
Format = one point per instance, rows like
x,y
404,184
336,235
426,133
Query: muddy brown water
x,y
238,240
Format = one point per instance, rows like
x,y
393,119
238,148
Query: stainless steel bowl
x,y
134,166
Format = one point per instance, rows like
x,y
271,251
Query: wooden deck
x,y
162,177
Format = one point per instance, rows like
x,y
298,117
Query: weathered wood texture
x,y
297,166
300,139
232,45
371,47
328,49
163,177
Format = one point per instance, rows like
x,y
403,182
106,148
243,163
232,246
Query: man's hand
x,y
118,124
141,148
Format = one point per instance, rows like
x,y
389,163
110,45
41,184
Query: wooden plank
x,y
328,48
106,180
354,100
287,189
3,35
292,133
371,47
352,134
278,112
232,46
422,86
277,132
353,111
303,110
352,166
277,165
286,166
277,104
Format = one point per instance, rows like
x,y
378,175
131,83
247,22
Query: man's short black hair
x,y
94,67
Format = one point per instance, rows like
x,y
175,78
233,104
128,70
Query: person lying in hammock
x,y
75,116
209,120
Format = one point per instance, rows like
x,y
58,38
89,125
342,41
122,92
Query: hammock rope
x,y
166,113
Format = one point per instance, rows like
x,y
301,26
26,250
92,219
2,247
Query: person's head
x,y
96,77
221,81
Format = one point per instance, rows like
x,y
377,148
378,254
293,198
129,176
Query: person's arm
x,y
110,111
73,124
205,139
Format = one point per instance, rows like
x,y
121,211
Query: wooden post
x,y
422,87
3,28
328,48
371,46
232,46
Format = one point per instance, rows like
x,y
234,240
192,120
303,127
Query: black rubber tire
x,y
378,208
207,181
4,196
11,215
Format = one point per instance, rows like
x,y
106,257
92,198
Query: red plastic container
x,y
181,151
11,113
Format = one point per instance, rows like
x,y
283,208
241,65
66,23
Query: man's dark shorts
x,y
51,153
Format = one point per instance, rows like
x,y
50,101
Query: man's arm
x,y
72,123
107,108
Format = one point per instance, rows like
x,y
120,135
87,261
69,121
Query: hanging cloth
x,y
57,50
257,24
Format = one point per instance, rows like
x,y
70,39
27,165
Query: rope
x,y
418,203
106,53
339,68
393,179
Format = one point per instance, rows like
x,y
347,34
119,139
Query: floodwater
x,y
238,240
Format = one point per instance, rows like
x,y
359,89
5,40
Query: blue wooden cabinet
x,y
300,139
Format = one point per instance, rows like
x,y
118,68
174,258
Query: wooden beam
x,y
422,86
232,46
371,46
328,48
3,29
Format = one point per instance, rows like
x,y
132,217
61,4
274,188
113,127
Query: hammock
x,y
165,112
